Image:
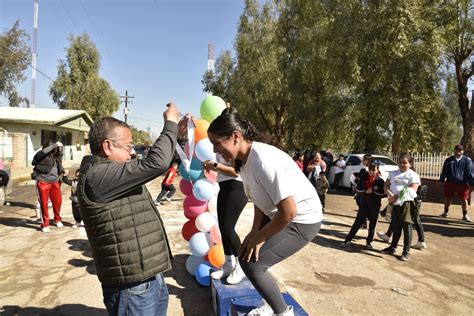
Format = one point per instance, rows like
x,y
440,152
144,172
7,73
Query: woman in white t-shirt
x,y
287,210
400,187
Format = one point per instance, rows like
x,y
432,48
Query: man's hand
x,y
171,113
183,125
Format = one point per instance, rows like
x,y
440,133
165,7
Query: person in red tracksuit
x,y
47,171
167,187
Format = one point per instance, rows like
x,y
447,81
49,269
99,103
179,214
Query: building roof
x,y
42,116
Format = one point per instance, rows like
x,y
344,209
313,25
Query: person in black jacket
x,y
47,172
125,230
370,189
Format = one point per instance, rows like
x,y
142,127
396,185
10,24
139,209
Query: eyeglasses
x,y
129,148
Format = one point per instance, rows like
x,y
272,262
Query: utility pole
x,y
126,110
34,55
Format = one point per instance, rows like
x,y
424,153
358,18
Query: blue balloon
x,y
203,273
195,172
192,263
204,190
205,150
200,244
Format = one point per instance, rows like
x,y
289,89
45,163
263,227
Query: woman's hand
x,y
392,199
250,247
209,165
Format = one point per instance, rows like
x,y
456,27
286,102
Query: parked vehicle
x,y
354,164
141,150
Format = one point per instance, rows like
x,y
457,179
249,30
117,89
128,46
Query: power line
x,y
29,64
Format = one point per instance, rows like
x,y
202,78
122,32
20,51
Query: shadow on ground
x,y
195,299
67,309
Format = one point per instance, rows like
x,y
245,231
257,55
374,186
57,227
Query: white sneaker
x,y
289,311
223,272
45,229
76,225
420,245
383,236
264,310
59,224
236,275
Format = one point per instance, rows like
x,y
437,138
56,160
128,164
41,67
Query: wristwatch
x,y
215,166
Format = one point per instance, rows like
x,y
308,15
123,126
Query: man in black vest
x,y
128,241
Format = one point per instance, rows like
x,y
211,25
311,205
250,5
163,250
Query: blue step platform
x,y
230,300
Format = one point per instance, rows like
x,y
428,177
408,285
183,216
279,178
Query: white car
x,y
354,164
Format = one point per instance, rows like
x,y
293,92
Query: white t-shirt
x,y
340,164
221,176
400,180
272,176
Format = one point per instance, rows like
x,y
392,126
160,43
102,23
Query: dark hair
x,y
228,122
367,157
373,166
104,128
408,157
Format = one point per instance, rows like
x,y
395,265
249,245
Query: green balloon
x,y
212,107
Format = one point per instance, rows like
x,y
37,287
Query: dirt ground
x,y
54,274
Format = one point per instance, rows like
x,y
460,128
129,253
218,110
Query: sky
x,y
155,49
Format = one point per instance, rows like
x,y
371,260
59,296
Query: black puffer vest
x,y
127,237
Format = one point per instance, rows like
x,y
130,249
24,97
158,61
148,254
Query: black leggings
x,y
230,203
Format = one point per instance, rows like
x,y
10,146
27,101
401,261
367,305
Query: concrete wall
x,y
25,148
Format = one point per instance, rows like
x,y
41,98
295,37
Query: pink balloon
x,y
193,207
186,187
216,235
210,175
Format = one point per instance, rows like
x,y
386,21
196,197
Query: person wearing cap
x,y
456,176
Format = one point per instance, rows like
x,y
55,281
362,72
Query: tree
x,y
78,85
459,37
14,59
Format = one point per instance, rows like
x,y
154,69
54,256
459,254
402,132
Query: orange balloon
x,y
200,131
216,256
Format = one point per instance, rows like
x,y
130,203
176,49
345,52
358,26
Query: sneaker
x,y
346,243
389,251
289,311
264,310
45,229
405,256
369,246
236,275
383,236
420,245
76,225
223,272
59,224
444,214
466,218
158,203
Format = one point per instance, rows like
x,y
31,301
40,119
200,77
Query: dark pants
x,y
322,198
337,180
75,212
166,190
417,224
230,203
369,208
398,225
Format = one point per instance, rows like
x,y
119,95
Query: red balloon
x,y
189,229
186,187
193,207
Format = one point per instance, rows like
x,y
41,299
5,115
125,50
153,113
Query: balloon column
x,y
200,205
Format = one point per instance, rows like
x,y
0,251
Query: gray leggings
x,y
275,249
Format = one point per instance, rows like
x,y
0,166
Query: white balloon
x,y
212,205
205,150
200,244
204,190
192,263
205,221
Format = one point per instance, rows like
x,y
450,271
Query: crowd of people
x,y
110,200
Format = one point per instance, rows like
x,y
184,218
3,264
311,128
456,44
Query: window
x,y
353,161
